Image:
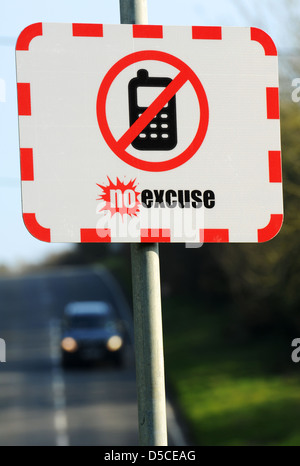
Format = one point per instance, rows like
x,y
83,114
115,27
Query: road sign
x,y
128,134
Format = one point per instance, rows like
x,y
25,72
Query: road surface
x,y
40,403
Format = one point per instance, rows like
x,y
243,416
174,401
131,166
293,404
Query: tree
x,y
264,279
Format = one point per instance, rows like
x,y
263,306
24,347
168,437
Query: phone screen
x,y
147,95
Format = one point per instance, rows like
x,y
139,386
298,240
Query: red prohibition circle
x,y
102,117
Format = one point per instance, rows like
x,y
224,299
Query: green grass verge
x,y
231,390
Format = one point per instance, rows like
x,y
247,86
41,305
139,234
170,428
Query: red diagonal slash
x,y
152,110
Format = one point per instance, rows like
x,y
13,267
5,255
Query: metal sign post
x,y
147,310
149,344
133,11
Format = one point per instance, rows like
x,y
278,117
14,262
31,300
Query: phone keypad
x,y
157,130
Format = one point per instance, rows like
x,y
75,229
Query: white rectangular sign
x,y
142,133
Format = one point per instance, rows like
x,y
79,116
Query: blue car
x,y
91,333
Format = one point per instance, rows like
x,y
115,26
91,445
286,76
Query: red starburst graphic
x,y
120,198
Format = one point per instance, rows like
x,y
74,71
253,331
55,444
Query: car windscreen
x,y
89,321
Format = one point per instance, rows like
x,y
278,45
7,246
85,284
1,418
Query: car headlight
x,y
114,343
69,344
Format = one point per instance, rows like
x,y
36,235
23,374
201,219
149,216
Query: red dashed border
x,y
214,235
147,31
29,33
24,99
270,230
265,40
207,32
27,170
90,235
272,95
37,230
95,235
155,235
87,30
275,172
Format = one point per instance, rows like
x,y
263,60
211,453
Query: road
x,y
40,403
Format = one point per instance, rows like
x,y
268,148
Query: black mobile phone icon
x,y
161,132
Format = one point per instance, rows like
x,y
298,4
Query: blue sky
x,y
16,244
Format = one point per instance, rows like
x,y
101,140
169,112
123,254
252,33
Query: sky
x,y
17,246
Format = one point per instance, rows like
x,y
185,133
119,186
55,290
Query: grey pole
x,y
133,11
148,332
149,344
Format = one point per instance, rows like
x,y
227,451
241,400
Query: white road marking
x,y
58,388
